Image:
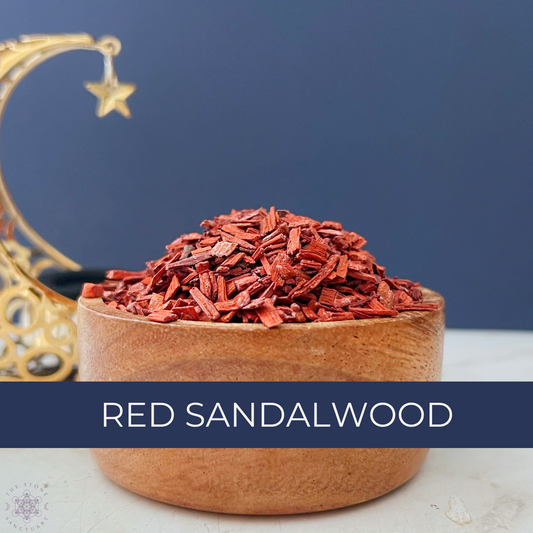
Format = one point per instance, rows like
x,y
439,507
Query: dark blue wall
x,y
409,122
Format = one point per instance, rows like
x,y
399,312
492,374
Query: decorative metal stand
x,y
37,324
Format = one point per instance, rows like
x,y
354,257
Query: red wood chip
x,y
266,264
309,313
90,290
268,314
187,313
156,301
206,305
262,266
121,274
342,267
162,316
172,288
223,249
222,289
328,297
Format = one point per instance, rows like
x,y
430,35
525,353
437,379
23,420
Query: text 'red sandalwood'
x,y
262,266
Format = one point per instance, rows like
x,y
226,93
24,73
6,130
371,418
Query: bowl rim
x,y
97,305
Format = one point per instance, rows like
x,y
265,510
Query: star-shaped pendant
x,y
111,96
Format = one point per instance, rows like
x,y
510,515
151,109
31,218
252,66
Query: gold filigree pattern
x,y
37,330
38,340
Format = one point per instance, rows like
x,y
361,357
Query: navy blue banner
x,y
279,415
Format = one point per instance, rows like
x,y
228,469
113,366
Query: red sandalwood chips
x,y
262,266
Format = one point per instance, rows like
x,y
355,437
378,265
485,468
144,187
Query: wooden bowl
x,y
116,346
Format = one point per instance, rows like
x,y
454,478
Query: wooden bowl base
x,y
266,482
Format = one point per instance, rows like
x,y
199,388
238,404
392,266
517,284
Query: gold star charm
x,y
111,96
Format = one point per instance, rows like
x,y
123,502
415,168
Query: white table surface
x,y
494,486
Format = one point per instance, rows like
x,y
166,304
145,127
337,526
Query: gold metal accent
x,y
38,325
110,93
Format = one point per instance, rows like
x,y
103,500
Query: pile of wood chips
x,y
262,266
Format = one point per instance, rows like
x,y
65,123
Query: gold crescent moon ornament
x,y
38,338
